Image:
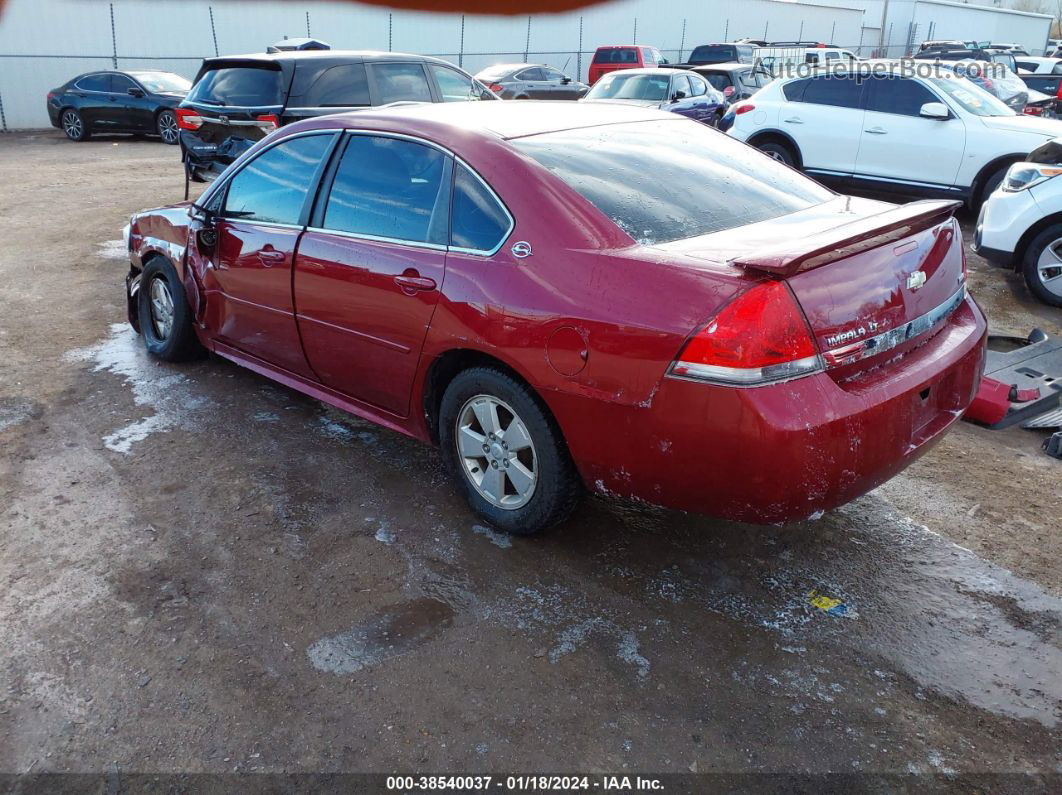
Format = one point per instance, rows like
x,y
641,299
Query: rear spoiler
x,y
848,239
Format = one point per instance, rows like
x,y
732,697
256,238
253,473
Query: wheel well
x,y
446,367
778,138
1030,234
988,170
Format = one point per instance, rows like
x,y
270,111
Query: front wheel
x,y
167,127
1042,266
164,314
506,452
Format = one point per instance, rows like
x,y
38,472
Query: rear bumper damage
x,y
788,451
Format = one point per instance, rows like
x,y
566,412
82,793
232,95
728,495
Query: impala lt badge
x,y
916,280
521,249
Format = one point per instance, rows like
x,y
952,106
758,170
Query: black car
x,y
237,100
122,102
736,81
705,54
530,81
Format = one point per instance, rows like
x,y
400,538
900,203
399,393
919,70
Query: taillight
x,y
497,88
744,108
268,122
1032,110
188,119
1058,94
51,95
760,336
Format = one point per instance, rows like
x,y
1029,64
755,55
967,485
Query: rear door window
x,y
390,188
94,83
273,187
454,86
238,86
396,82
841,92
340,86
794,91
898,95
479,223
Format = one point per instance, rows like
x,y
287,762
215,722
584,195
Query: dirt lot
x,y
202,571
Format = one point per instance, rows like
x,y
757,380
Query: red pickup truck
x,y
623,56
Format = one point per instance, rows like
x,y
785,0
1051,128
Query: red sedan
x,y
566,296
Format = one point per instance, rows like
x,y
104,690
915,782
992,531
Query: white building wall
x,y
43,43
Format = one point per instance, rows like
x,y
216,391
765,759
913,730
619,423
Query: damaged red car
x,y
569,298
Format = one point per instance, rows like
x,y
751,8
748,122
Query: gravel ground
x,y
201,571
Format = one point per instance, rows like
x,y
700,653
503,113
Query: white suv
x,y
892,131
1020,225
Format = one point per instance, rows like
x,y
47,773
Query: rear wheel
x,y
167,127
73,125
778,151
506,452
1042,266
165,317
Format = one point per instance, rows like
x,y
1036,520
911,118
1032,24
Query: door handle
x,y
878,131
412,282
793,120
271,256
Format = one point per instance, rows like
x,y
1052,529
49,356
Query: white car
x,y
1020,225
938,136
1039,66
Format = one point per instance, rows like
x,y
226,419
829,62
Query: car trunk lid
x,y
869,277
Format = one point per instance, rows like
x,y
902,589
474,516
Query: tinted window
x,y
273,186
454,86
391,188
534,73
339,86
667,180
401,81
94,83
714,53
843,92
794,91
479,222
719,82
238,85
616,55
897,95
120,84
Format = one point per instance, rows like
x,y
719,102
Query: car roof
x,y
617,46
507,66
727,66
649,70
447,122
346,56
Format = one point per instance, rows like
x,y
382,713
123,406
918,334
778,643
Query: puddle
x,y
498,539
152,383
394,632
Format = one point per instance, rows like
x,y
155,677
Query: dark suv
x,y
236,100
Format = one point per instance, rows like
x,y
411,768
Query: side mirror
x,y
935,110
205,227
678,95
134,92
565,81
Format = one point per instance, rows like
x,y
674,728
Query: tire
x,y
166,126
990,185
1045,284
519,509
778,151
175,340
73,125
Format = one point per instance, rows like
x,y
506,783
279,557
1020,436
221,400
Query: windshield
x,y
661,181
162,82
972,99
241,86
713,53
619,85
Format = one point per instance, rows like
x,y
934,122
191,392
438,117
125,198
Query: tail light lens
x,y
744,108
268,122
1032,110
497,88
1058,94
51,95
759,337
188,119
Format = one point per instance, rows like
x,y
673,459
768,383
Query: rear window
x,y
668,180
241,86
714,53
617,55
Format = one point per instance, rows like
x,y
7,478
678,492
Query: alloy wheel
x,y
168,128
496,451
72,125
161,308
1049,268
